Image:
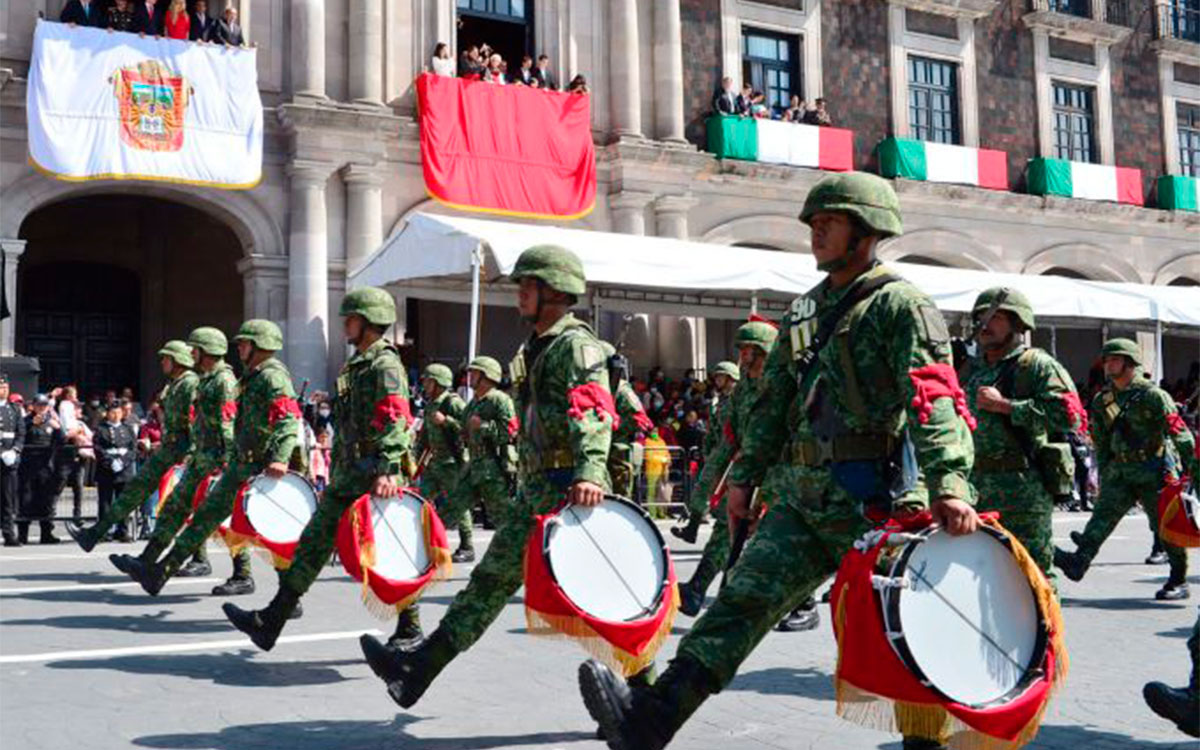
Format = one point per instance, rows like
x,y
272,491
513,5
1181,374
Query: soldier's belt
x,y
562,458
990,464
843,448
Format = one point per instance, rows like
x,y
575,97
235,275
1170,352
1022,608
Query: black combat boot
x,y
11,540
464,554
87,539
152,576
240,582
637,717
1158,554
922,743
1076,538
1073,564
197,567
688,533
408,673
265,625
408,634
691,599
1175,589
47,536
1178,705
120,561
23,533
804,617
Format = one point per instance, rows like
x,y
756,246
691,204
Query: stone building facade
x,y
342,162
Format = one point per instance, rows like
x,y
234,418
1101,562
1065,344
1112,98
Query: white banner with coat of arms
x,y
113,105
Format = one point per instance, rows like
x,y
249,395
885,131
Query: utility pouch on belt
x,y
879,484
1056,467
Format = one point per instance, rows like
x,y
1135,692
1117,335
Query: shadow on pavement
x,y
148,623
235,669
1122,604
114,577
345,735
123,597
1053,737
1183,631
807,683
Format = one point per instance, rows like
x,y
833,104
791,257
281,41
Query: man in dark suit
x,y
228,30
83,13
724,101
525,75
544,77
203,26
741,105
148,16
116,448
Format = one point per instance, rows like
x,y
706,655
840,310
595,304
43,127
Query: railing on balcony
x,y
1117,12
1179,19
1080,8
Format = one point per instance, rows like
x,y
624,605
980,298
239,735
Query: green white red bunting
x,y
779,142
1096,182
1178,193
942,162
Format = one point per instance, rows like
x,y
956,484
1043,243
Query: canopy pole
x,y
754,303
1054,341
1159,370
476,263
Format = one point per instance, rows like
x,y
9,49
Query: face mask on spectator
x,y
324,411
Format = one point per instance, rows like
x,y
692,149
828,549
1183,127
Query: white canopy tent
x,y
449,258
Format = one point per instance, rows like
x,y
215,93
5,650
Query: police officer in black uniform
x,y
12,440
116,447
44,439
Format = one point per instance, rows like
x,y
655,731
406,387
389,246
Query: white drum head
x,y
968,616
400,553
608,560
279,509
1191,507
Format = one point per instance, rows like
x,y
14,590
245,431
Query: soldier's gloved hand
x,y
738,501
586,494
385,486
438,418
275,469
955,516
991,399
475,423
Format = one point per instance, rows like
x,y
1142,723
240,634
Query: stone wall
x,y
854,34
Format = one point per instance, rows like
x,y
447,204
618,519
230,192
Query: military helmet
x,y
439,374
209,340
487,367
555,266
374,305
178,351
1014,302
262,333
864,196
756,333
1122,348
728,369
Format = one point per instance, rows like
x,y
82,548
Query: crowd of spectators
x,y
481,63
192,20
751,103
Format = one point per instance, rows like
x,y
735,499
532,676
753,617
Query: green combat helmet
x,y
556,267
209,340
756,333
372,303
178,351
439,374
487,367
1014,302
262,333
728,369
868,198
1122,348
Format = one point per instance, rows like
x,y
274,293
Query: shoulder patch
x,y
393,379
934,323
588,355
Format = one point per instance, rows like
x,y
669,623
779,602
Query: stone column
x,y
671,215
307,341
366,52
625,92
262,276
668,72
629,211
12,249
671,220
308,49
364,212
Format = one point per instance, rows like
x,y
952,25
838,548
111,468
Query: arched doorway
x,y
105,279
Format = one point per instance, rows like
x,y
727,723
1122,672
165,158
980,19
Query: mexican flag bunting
x,y
779,142
942,162
1178,193
1074,179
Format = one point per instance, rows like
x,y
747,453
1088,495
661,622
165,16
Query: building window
x,y
1075,122
1187,118
1081,8
502,8
933,100
1179,19
771,64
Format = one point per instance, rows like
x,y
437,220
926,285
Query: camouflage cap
x,y
867,197
487,367
375,305
262,333
1122,348
756,333
178,351
555,266
728,369
439,374
209,340
1014,302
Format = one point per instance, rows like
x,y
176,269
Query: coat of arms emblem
x,y
153,102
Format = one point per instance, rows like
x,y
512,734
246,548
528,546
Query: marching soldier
x,y
440,447
12,441
266,440
1141,441
371,453
176,398
567,416
632,418
725,377
1025,404
1179,705
860,378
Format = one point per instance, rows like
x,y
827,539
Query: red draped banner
x,y
509,150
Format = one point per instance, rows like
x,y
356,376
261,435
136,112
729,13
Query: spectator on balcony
x,y
525,76
203,26
83,13
741,105
228,30
442,64
725,101
495,69
148,16
818,116
544,77
470,64
121,17
578,85
797,110
758,106
176,24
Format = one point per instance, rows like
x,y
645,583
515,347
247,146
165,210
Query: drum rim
x,y
1191,506
245,496
407,491
662,543
889,600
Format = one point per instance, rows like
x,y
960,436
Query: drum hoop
x,y
1191,504
889,600
662,543
371,502
256,477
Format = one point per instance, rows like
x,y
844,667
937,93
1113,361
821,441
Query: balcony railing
x,y
1173,20
1080,8
1115,11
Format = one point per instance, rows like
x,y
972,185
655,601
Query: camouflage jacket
x,y
216,410
267,429
734,412
444,442
372,415
1139,424
886,368
177,399
491,444
716,418
566,409
633,416
1044,401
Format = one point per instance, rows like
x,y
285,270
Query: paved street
x,y
88,661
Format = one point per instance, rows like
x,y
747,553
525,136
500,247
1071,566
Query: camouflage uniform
x,y
633,420
446,455
697,502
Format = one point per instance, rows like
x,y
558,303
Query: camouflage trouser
x,y
492,488
215,509
1121,486
178,507
500,573
437,485
702,491
620,469
320,534
1194,649
138,489
716,552
1026,509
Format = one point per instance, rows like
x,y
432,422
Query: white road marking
x,y
17,557
101,586
171,648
